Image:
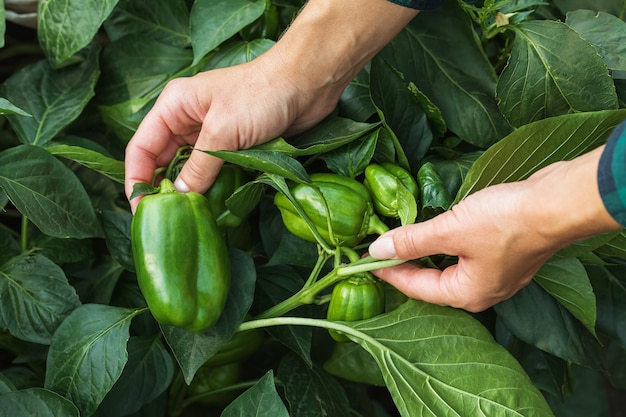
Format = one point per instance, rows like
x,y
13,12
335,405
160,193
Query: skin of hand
x,y
284,91
501,235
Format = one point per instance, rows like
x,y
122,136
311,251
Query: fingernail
x,y
180,185
382,248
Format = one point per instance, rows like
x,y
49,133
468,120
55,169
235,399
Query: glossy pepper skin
x,y
359,297
350,209
227,181
181,260
382,181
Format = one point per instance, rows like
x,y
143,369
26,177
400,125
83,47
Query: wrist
x,y
330,41
567,200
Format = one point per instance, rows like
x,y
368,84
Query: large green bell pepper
x,y
348,205
180,258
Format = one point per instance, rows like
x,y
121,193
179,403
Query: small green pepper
x,y
383,181
348,205
228,180
356,298
181,259
211,378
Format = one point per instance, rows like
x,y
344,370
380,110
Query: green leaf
x,y
245,199
7,108
407,206
265,161
261,400
67,26
238,52
165,21
39,185
350,361
116,227
401,111
614,248
147,374
54,98
214,22
552,71
330,134
615,7
35,298
453,171
350,160
108,167
435,196
440,361
276,283
610,291
192,350
560,333
136,68
537,145
311,392
450,68
37,402
88,353
355,102
605,32
567,281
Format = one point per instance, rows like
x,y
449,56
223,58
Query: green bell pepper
x,y
358,297
228,180
348,205
382,181
180,258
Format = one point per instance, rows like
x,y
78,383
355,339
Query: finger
x,y
148,144
432,237
449,287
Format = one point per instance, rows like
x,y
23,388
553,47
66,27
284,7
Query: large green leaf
x,y
35,298
109,167
449,67
67,26
138,68
552,71
560,333
328,135
239,52
275,284
615,7
402,112
606,32
567,281
192,350
438,361
6,107
47,192
261,400
265,161
147,374
88,353
611,294
309,391
350,160
213,22
36,402
537,145
165,21
53,98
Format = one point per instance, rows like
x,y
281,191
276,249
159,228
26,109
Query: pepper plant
x,y
473,94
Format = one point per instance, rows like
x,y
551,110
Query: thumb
x,y
431,237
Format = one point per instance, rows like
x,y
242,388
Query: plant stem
x,y
304,296
370,265
24,234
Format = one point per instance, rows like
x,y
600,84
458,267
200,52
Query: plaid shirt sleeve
x,y
612,174
420,4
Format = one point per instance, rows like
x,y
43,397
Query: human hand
x,y
501,235
225,109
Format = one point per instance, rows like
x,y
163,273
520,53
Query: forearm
x,y
331,40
